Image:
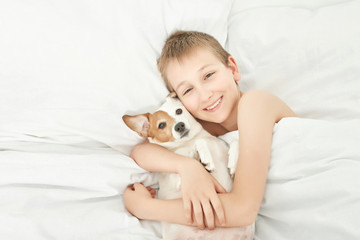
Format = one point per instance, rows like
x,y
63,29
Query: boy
x,y
204,76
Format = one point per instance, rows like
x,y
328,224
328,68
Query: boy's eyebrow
x,y
177,87
205,66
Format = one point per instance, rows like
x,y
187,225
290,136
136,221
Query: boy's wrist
x,y
184,165
148,211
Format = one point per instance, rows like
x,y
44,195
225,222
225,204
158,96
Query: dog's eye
x,y
178,111
162,125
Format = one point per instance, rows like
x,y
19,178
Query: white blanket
x,y
313,186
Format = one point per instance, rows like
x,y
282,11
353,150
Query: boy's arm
x,y
155,158
140,203
258,112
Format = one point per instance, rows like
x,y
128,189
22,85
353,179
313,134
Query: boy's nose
x,y
206,94
180,127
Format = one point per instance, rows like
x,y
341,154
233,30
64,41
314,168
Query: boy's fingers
x,y
198,213
219,211
218,187
187,210
129,188
209,215
152,192
138,186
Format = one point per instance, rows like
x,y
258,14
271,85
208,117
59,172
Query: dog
x,y
174,128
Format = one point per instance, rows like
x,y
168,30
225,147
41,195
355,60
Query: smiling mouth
x,y
214,105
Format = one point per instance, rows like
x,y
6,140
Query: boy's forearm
x,y
171,210
155,158
236,213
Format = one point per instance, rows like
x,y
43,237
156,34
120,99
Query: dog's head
x,y
169,126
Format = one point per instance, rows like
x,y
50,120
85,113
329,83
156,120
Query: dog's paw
x,y
210,167
233,157
178,185
205,155
232,171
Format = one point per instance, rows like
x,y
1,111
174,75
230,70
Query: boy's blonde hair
x,y
181,43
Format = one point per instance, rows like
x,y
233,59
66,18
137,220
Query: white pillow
x,y
70,69
307,53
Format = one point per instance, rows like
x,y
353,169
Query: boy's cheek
x,y
192,105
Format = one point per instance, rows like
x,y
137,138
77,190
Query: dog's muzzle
x,y
180,128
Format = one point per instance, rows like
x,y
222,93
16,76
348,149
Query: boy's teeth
x,y
215,104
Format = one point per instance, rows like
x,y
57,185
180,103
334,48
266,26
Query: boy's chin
x,y
215,120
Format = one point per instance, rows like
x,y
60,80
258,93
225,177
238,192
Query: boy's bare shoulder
x,y
266,103
257,94
256,99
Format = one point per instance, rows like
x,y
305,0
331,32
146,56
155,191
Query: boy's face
x,y
205,85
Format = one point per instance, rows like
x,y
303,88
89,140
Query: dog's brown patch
x,y
161,134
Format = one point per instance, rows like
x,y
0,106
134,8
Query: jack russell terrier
x,y
174,128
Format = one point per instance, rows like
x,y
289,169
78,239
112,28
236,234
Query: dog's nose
x,y
180,127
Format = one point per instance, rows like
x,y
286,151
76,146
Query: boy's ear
x,y
138,123
233,66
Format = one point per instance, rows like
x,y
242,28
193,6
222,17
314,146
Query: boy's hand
x,y
135,198
199,189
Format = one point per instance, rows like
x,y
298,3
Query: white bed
x,y
70,69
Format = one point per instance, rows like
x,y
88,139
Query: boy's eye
x,y
187,91
162,125
208,75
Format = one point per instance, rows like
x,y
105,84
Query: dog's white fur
x,y
190,139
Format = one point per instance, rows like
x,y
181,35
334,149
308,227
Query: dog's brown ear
x,y
172,94
138,123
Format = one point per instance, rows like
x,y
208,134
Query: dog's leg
x,y
197,157
205,154
233,156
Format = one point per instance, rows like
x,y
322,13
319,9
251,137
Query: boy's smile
x,y
205,85
215,106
